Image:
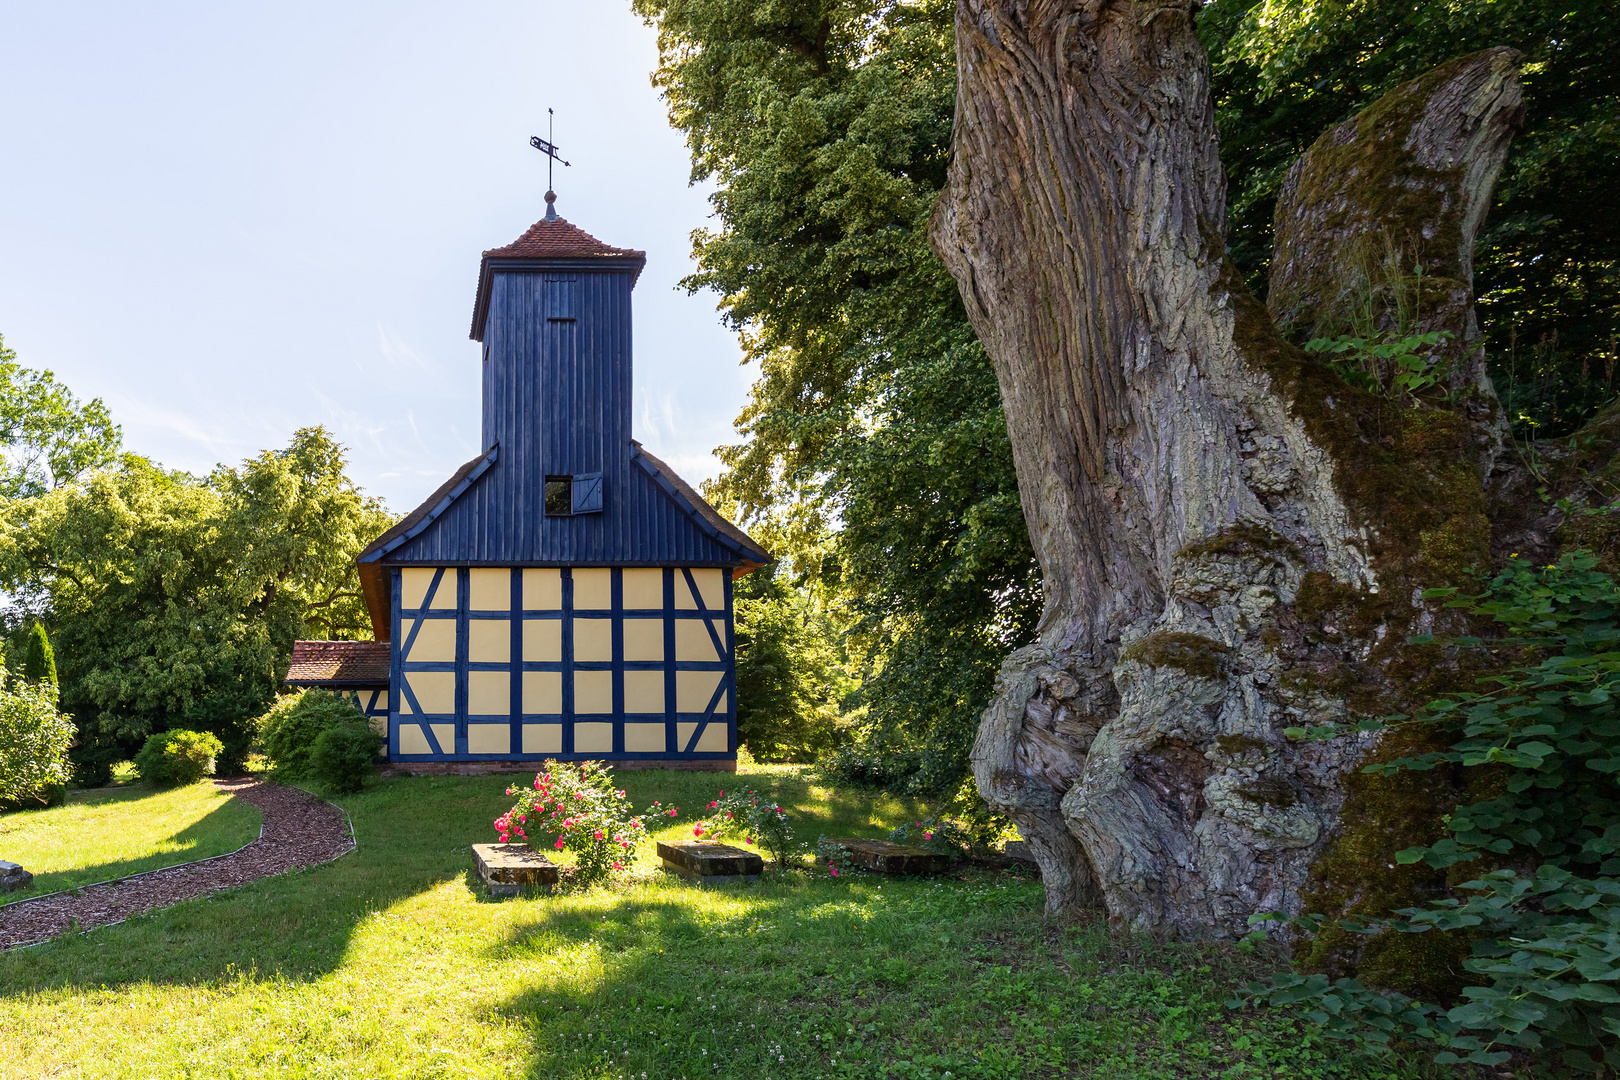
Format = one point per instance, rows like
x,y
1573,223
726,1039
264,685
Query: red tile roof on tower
x,y
557,239
339,663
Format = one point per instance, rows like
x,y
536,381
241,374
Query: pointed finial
x,y
551,206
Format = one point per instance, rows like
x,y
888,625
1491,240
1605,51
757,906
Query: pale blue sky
x,y
230,221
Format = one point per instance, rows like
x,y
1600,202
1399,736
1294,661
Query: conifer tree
x,y
39,663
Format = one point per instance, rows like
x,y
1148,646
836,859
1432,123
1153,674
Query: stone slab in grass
x,y
887,857
1018,851
509,869
710,864
13,877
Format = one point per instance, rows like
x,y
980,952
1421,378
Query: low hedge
x,y
175,757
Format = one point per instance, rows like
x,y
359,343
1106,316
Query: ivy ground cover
x,y
388,963
115,831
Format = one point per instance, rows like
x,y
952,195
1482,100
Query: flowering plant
x,y
836,856
579,804
757,819
941,835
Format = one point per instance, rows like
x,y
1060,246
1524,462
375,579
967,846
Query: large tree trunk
x,y
1216,562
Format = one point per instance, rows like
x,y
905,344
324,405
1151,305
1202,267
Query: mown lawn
x,y
111,832
387,963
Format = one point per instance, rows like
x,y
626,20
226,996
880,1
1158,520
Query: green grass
x,y
110,832
388,963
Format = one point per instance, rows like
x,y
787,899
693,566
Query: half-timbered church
x,y
564,594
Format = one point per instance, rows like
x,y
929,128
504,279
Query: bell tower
x,y
553,314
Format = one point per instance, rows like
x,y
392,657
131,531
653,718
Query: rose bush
x,y
754,818
941,835
577,807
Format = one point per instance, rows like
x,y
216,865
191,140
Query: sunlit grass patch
x,y
111,832
389,962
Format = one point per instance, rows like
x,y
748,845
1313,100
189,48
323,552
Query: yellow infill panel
x,y
489,641
435,641
693,689
542,590
593,640
643,589
542,692
644,691
489,590
542,640
593,738
412,740
692,640
542,738
645,738
593,692
714,739
413,586
489,693
711,586
593,589
489,739
446,734
644,639
435,690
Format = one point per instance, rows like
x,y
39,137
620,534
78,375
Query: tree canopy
x,y
47,436
175,599
874,451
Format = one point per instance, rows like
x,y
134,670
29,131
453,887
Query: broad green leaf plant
x,y
1544,911
1398,367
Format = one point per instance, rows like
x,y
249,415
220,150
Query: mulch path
x,y
299,830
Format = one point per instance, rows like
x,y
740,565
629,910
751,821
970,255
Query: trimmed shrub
x,y
173,758
289,730
34,741
343,757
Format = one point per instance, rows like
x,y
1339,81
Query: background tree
x,y
47,436
177,599
790,677
875,454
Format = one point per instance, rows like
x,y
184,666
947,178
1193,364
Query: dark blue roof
x,y
490,513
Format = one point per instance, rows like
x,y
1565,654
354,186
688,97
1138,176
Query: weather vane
x,y
549,148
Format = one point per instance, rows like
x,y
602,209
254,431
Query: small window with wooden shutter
x,y
588,493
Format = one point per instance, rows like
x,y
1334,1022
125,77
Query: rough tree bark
x,y
1206,514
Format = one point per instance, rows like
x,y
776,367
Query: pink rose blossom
x,y
834,870
559,843
599,834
